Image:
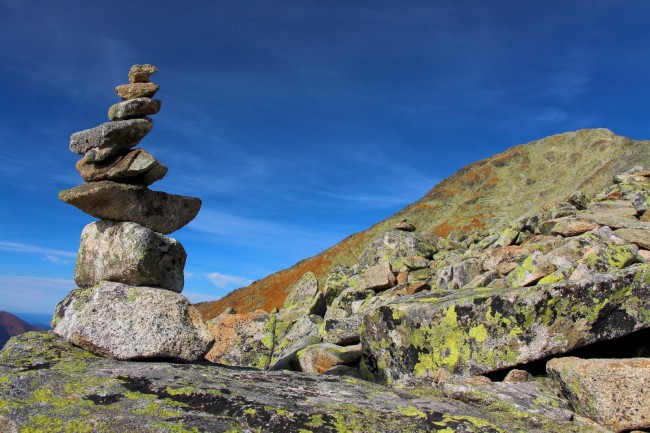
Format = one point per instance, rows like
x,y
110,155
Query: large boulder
x,y
48,385
394,246
320,358
473,331
613,392
110,139
159,211
128,323
131,254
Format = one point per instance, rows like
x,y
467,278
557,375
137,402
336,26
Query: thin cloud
x,y
28,294
223,281
56,260
32,249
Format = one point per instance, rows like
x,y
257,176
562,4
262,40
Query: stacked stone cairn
x,y
130,275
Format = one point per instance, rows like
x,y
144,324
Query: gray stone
x,y
612,392
301,295
138,107
341,331
379,277
129,253
345,300
335,313
159,211
456,276
320,358
49,385
394,246
475,332
530,271
136,167
516,375
110,139
339,279
640,238
567,226
128,323
301,333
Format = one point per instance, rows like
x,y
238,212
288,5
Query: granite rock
x,y
136,167
134,108
110,139
136,90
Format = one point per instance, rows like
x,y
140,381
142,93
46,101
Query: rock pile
x,y
129,273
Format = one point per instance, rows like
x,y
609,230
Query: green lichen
x,y
411,411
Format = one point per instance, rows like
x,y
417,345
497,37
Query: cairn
x,y
129,274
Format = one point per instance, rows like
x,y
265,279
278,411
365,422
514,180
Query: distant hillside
x,y
480,197
11,325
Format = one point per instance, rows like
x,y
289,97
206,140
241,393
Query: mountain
x,y
11,325
480,197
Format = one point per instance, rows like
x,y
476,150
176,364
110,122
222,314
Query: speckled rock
x,y
339,279
640,238
613,392
474,332
290,337
136,167
134,108
322,357
243,339
124,322
131,254
303,294
141,73
109,139
136,90
159,211
567,226
379,277
394,246
341,331
48,385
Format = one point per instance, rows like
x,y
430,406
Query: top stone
x,y
141,73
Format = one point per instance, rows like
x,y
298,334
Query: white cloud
x,y
56,260
27,294
25,248
223,281
196,297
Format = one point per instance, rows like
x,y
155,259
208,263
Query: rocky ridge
x,y
129,274
414,305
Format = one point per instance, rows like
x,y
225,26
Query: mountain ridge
x,y
481,196
11,325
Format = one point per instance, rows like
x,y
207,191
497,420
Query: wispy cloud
x,y
32,249
57,260
224,281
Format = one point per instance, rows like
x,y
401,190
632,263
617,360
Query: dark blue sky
x,y
296,122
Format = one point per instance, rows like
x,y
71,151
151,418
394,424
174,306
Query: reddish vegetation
x,y
225,334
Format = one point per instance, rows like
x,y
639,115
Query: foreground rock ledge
x,y
159,211
124,322
48,385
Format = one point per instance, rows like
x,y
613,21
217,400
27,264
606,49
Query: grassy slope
x,y
480,197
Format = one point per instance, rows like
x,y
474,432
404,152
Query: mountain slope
x,y
481,196
11,325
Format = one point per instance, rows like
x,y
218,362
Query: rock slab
x,y
129,323
612,392
110,139
159,211
136,167
126,252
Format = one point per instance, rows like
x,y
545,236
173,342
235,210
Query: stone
x,y
612,392
510,233
141,73
509,254
129,323
645,217
405,226
243,339
49,385
379,277
411,289
402,277
645,255
531,270
335,313
344,370
320,358
516,375
476,331
640,238
136,167
339,279
394,246
159,211
131,108
110,139
567,227
342,332
136,90
126,252
416,262
292,336
458,275
345,300
302,294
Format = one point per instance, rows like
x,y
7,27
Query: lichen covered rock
x,y
476,331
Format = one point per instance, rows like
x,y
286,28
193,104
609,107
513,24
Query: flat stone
x,y
343,331
379,277
516,375
303,333
405,226
531,270
128,323
141,73
640,238
612,392
137,167
322,357
126,252
134,108
109,139
136,90
567,227
301,294
159,211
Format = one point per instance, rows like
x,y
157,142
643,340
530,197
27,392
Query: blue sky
x,y
297,123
